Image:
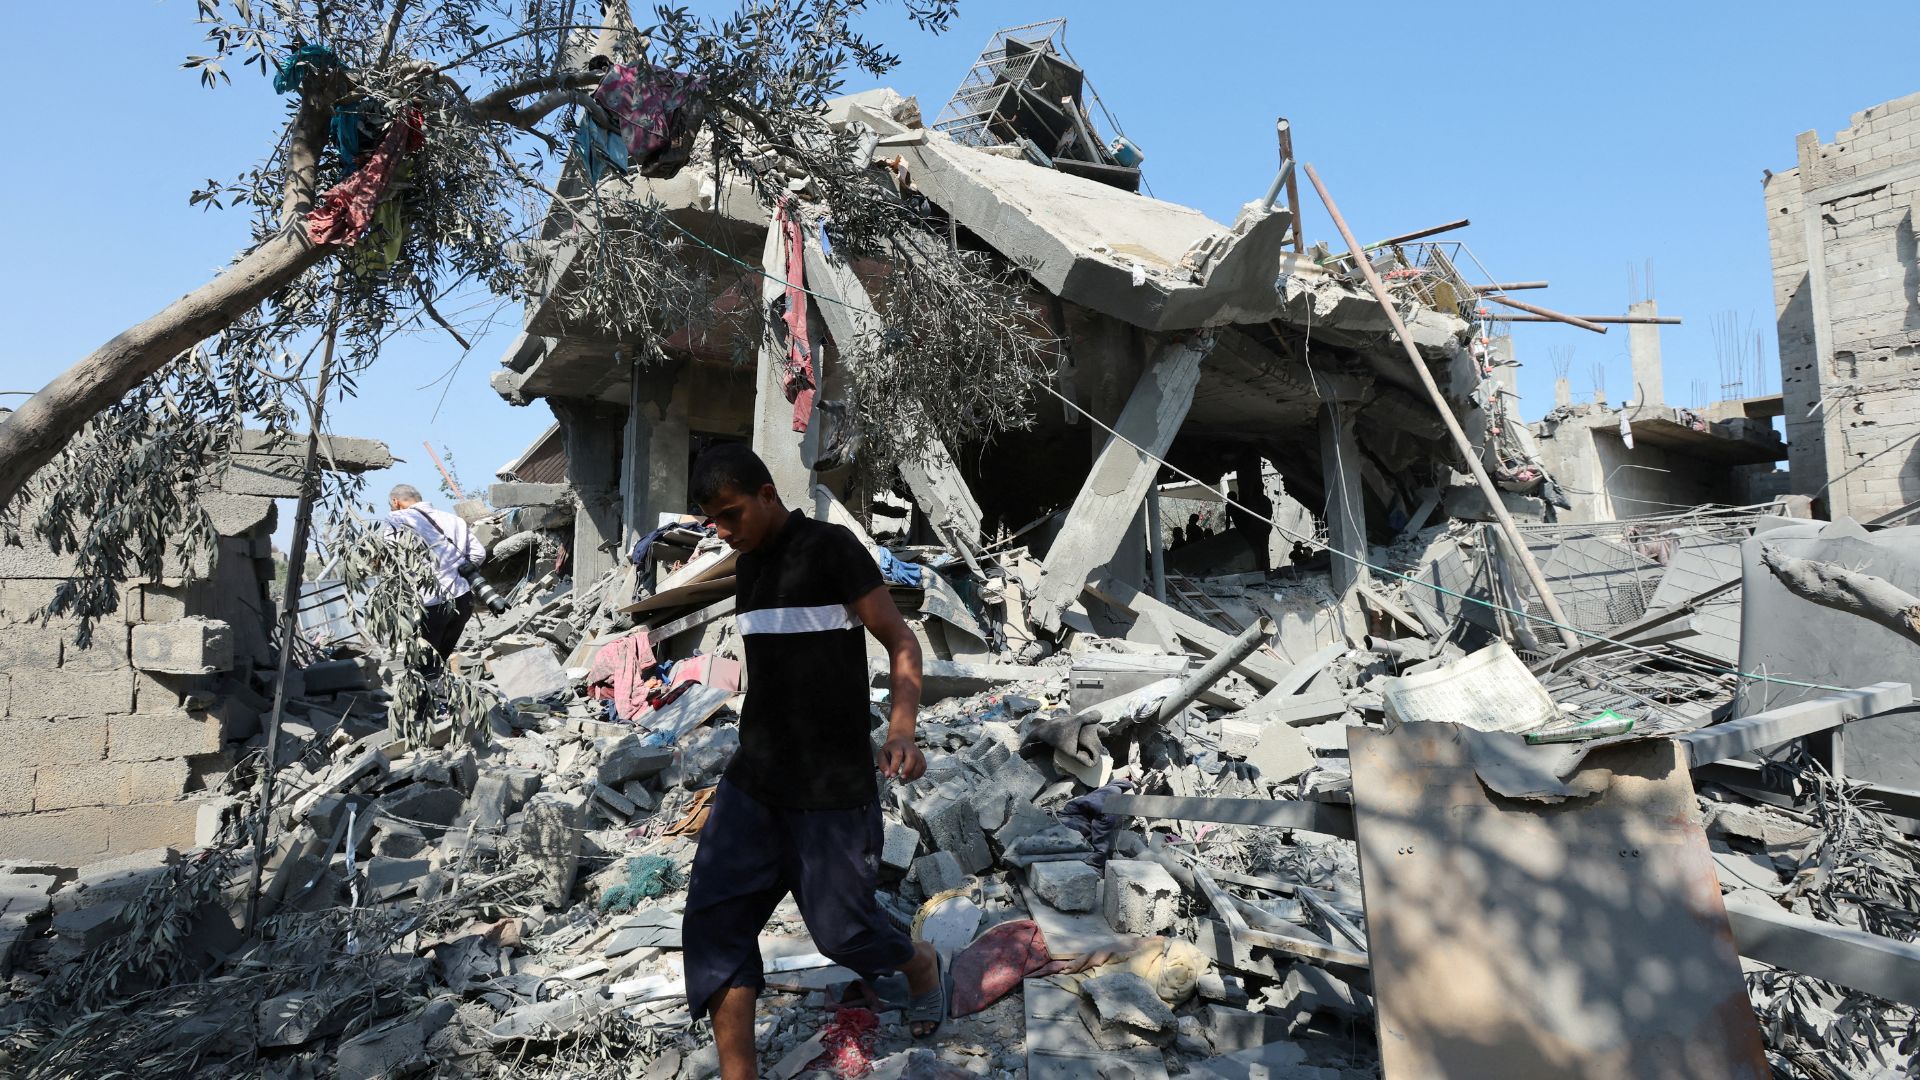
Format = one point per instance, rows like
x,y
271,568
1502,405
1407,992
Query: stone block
x,y
1125,997
25,600
950,823
16,791
24,646
208,819
1140,897
152,781
191,646
67,741
157,602
938,872
551,830
235,515
628,760
62,787
1069,886
51,692
151,736
898,847
107,651
60,838
1281,753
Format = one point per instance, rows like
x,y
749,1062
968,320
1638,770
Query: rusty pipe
x,y
1656,320
1460,441
1570,320
1508,286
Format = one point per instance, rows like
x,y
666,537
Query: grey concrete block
x,y
523,494
551,831
950,823
51,692
191,646
897,851
1140,897
938,872
1069,886
628,760
1125,997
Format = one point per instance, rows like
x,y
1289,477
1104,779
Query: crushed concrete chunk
x,y
1140,897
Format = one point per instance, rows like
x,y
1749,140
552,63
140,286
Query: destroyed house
x,y
1226,349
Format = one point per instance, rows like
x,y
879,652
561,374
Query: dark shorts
x,y
751,856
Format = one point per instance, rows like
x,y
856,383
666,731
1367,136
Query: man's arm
x,y
900,758
476,552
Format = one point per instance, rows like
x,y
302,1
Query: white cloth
x,y
451,544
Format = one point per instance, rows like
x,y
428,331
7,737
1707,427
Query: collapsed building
x,y
1254,748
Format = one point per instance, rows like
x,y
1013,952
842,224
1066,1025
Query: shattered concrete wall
x,y
1847,302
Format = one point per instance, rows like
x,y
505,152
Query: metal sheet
x,y
1584,940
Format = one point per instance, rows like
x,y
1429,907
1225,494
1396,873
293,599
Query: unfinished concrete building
x,y
1846,292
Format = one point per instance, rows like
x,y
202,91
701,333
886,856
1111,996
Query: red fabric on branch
x,y
345,212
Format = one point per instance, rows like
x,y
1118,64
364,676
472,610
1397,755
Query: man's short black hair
x,y
728,465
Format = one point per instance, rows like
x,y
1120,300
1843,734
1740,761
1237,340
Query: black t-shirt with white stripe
x,y
804,730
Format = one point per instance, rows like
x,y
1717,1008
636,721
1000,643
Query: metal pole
x,y
1656,320
1480,476
1293,183
1419,234
1156,549
1252,638
290,607
444,474
1570,320
1509,286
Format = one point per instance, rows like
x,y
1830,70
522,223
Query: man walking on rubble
x,y
798,809
453,548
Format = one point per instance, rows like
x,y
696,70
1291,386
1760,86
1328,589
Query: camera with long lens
x,y
483,590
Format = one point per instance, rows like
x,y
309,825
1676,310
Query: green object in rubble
x,y
648,877
1607,723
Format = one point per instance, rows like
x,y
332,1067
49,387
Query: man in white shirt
x,y
453,548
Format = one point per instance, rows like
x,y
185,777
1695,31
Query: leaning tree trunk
x,y
35,433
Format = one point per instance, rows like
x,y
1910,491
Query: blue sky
x,y
1582,140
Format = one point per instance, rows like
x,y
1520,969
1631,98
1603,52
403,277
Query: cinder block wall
x,y
102,758
1846,263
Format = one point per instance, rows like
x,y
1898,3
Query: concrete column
x,y
1250,472
1643,345
1106,513
653,465
1346,505
785,450
592,434
1562,393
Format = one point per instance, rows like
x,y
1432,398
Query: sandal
x,y
930,1007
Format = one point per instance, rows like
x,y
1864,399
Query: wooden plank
x,y
1585,940
1329,819
1103,511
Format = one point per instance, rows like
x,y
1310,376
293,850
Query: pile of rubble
x,y
1140,856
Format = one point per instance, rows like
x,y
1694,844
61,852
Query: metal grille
x,y
968,115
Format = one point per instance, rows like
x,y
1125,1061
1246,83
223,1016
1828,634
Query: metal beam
x,y
1775,726
1330,819
1853,958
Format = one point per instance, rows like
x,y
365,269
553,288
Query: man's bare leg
x,y
922,972
732,1012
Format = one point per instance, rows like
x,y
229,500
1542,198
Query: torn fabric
x,y
796,367
656,111
345,213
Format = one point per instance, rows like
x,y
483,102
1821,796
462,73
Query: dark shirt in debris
x,y
805,741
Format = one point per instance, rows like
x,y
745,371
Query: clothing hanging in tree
x,y
797,379
345,213
293,70
657,112
344,130
377,251
602,150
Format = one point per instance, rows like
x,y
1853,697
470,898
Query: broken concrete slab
x,y
529,673
629,759
1281,753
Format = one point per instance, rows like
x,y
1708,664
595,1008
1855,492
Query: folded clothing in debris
x,y
898,571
